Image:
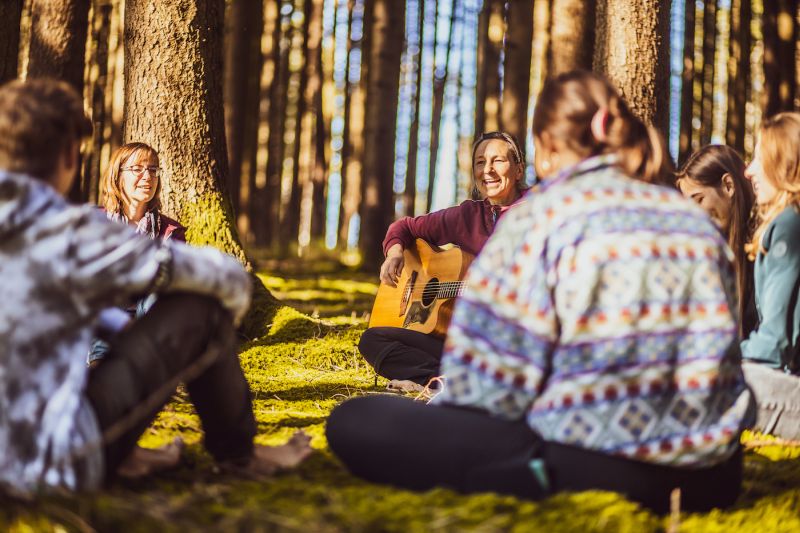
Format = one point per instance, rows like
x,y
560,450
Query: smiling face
x,y
765,190
495,172
139,187
713,200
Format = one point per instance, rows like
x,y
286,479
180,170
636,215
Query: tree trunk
x,y
317,165
58,40
10,19
517,68
439,85
354,142
738,73
98,83
709,62
261,202
244,24
490,44
571,36
386,46
270,219
410,191
290,206
687,84
632,49
780,39
173,101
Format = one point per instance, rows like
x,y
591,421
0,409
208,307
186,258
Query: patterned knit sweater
x,y
602,309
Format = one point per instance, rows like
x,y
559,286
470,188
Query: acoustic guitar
x,y
426,289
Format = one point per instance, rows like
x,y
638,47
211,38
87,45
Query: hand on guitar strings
x,y
393,265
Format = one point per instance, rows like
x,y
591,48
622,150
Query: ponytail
x,y
586,112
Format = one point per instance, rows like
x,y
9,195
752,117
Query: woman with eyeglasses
x,y
410,358
131,187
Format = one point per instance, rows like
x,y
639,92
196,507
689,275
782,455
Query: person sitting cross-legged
x,y
595,346
62,425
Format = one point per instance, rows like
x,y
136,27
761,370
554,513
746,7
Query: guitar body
x,y
425,294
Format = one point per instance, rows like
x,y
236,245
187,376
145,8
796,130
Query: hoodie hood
x,y
22,201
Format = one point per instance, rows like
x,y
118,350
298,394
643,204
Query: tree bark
x,y
244,24
261,202
490,44
780,39
377,207
410,191
173,101
709,62
354,142
439,85
571,36
687,84
98,83
10,19
517,68
317,162
632,49
738,73
58,40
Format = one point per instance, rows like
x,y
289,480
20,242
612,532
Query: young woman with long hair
x,y
772,351
714,177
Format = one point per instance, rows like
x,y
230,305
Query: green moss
x,y
300,369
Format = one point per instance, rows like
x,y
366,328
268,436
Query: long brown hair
x,y
779,151
707,167
565,109
113,199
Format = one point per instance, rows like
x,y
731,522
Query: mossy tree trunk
x,y
10,18
173,101
738,72
571,36
491,28
517,68
687,84
377,207
780,42
632,49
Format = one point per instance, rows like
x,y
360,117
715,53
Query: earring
x,y
546,165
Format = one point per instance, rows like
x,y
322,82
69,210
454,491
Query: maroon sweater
x,y
467,225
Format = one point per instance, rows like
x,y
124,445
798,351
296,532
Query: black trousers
x,y
408,444
184,337
398,353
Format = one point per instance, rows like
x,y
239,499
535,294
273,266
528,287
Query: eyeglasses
x,y
139,170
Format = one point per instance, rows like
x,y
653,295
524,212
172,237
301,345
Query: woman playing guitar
x,y
410,358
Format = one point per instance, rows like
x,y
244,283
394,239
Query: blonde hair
x,y
565,110
113,199
779,151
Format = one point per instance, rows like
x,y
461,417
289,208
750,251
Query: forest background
x,y
292,133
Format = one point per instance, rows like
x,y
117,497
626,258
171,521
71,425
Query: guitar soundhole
x,y
429,294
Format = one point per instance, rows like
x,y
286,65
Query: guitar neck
x,y
450,289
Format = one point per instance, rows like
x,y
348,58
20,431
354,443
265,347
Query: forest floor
x,y
298,373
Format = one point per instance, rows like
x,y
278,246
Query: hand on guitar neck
x,y
393,265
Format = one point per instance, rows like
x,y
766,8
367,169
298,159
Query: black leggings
x,y
184,337
401,442
398,353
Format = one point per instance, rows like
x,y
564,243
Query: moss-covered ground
x,y
298,373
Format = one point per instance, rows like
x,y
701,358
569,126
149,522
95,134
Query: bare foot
x,y
266,460
145,461
404,385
